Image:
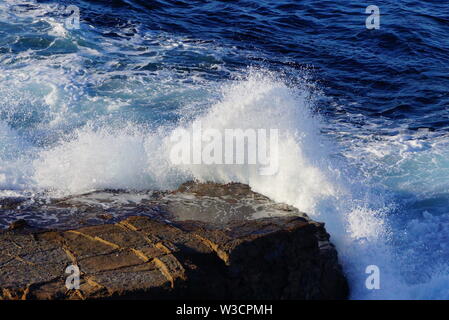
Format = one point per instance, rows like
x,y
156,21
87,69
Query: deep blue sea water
x,y
364,113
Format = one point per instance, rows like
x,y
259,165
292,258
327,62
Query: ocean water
x,y
363,114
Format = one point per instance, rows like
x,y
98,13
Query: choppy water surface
x,y
363,114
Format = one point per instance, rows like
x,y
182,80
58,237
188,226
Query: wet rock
x,y
242,256
18,224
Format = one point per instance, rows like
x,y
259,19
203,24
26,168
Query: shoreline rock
x,y
210,242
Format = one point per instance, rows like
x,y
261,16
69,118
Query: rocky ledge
x,y
202,241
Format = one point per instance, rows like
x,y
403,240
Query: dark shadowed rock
x,y
18,224
209,241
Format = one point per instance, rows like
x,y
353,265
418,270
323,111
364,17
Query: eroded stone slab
x,y
182,253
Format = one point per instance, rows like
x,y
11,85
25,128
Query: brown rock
x,y
279,257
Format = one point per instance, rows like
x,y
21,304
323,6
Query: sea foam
x,y
312,176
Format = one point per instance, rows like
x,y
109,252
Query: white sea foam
x,y
312,176
136,158
133,157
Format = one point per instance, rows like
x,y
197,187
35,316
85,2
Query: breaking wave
x,y
95,109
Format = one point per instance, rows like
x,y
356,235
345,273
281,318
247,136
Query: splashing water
x,y
95,108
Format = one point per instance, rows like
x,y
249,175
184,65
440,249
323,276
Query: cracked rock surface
x,y
205,241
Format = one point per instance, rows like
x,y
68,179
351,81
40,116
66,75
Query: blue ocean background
x,y
364,114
